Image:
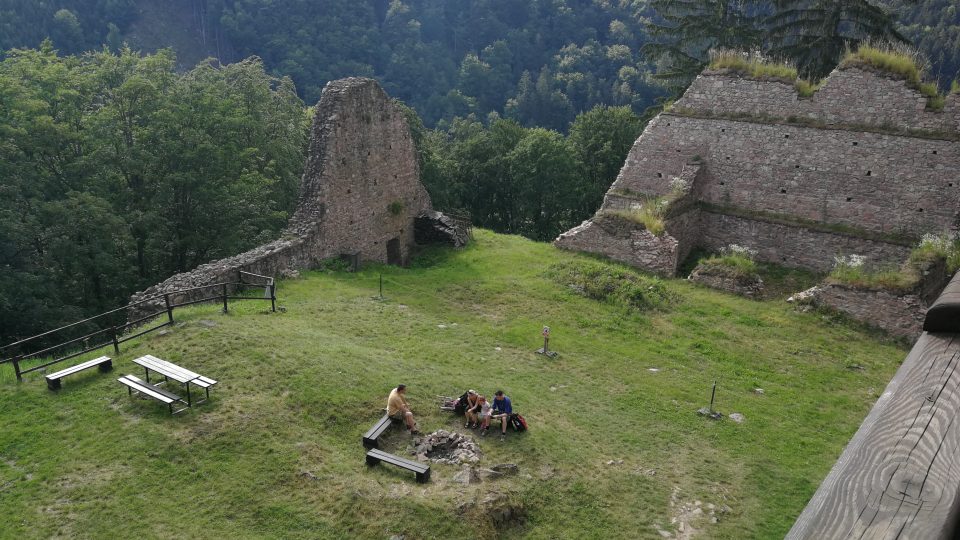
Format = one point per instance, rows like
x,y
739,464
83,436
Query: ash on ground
x,y
447,447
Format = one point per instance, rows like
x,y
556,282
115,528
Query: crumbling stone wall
x,y
861,167
359,194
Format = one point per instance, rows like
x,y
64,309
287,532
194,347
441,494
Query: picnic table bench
x,y
104,363
374,433
172,371
152,391
375,456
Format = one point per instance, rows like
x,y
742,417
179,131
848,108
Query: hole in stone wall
x,y
869,173
786,136
728,157
678,150
950,184
348,191
723,130
797,167
849,199
668,123
934,152
919,209
722,183
854,143
783,191
659,175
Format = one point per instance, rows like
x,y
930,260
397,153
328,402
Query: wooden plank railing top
x,y
899,477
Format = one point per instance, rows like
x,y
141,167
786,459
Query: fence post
x,y
16,368
273,296
166,301
224,297
116,344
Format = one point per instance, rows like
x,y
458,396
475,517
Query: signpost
x,y
546,344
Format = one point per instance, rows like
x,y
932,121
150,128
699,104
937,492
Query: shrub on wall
x,y
609,282
733,261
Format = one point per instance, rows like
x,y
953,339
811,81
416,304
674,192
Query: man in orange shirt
x,y
398,409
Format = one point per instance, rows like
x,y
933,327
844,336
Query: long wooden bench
x,y
146,389
374,433
104,363
375,456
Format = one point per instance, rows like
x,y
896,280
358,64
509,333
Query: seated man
x,y
502,409
398,409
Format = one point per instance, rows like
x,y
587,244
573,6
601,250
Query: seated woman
x,y
465,402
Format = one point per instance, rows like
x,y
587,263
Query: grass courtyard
x,y
615,447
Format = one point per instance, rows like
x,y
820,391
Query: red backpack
x,y
518,422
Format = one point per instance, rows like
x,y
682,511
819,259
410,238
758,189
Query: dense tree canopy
x,y
117,172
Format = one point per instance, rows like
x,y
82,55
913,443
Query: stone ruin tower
x,y
864,166
361,186
360,195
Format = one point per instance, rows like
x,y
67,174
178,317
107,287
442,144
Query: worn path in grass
x,y
277,452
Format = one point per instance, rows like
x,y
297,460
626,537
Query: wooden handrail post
x,y
273,296
16,368
224,286
166,300
116,344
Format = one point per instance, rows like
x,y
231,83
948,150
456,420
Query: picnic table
x,y
170,370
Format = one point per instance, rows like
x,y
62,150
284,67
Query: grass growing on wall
x,y
759,67
854,270
900,61
276,453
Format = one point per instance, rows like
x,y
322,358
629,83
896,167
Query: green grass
x,y
650,216
761,68
902,62
277,451
930,250
752,66
731,265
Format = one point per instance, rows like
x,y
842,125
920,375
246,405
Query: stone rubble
x,y
447,447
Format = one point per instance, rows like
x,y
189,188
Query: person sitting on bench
x,y
482,413
398,409
502,409
466,402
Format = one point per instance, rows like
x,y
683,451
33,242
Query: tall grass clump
x,y
757,66
899,60
752,65
612,283
938,246
733,261
955,87
852,270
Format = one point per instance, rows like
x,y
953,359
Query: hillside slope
x,y
277,451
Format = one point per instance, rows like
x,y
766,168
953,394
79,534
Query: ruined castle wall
x,y
795,247
862,167
849,96
880,183
359,194
361,186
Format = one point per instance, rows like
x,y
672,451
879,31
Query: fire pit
x,y
447,447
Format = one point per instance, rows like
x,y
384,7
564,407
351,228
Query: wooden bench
x,y
146,389
375,456
104,363
374,433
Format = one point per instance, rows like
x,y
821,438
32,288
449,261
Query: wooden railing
x,y
39,347
899,476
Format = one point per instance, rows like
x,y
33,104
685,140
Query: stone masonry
x,y
359,194
862,167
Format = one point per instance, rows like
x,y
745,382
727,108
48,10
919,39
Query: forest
x,y
120,164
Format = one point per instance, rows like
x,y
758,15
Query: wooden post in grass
x,y
16,367
116,344
166,301
273,295
224,290
713,395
